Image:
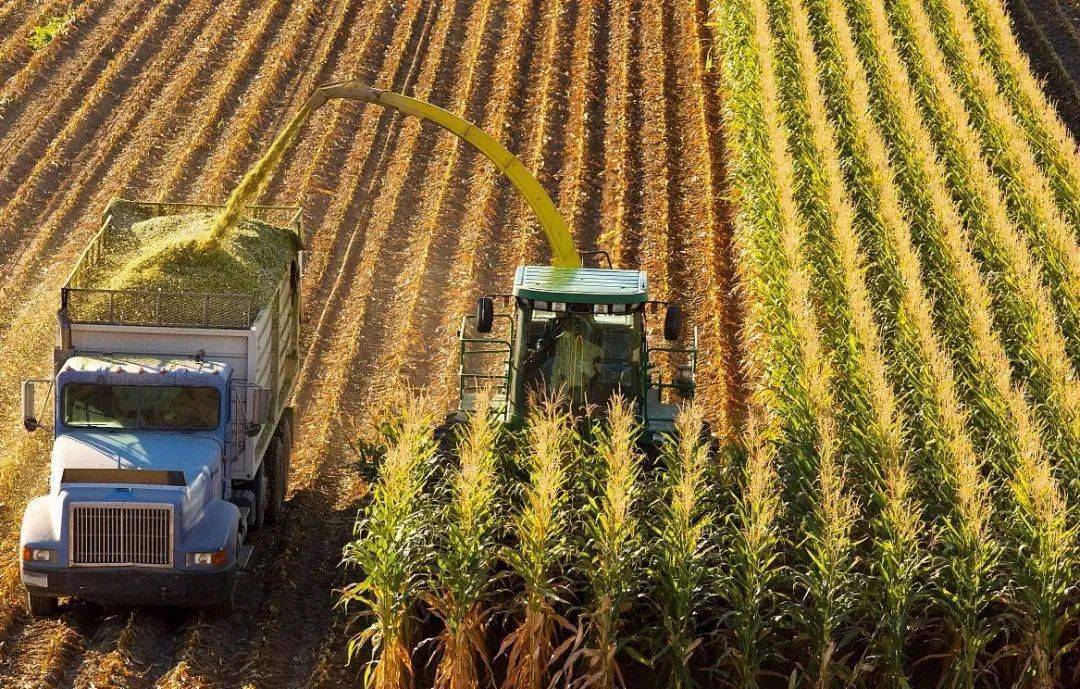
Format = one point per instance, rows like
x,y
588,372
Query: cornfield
x,y
869,209
897,509
904,194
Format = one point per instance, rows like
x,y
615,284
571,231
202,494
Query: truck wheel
x,y
278,477
42,606
261,487
287,441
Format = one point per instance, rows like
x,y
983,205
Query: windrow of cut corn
x,y
907,239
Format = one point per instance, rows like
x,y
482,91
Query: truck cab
x,y
171,434
139,508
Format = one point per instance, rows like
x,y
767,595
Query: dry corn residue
x,y
164,253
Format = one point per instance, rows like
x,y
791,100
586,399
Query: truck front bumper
x,y
126,586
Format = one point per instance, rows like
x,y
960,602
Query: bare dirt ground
x,y
1049,32
609,102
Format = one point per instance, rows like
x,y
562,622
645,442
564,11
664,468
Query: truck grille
x,y
117,535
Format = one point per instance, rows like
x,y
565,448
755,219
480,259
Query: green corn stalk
x,y
613,551
795,374
1022,308
461,583
1026,190
753,538
540,531
1052,144
1042,551
393,549
753,542
899,562
682,544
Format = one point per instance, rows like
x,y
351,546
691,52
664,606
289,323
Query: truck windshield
x,y
147,407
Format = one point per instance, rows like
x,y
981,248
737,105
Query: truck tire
x,y
277,479
42,606
261,487
287,439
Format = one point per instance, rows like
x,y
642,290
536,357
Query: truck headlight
x,y
214,559
38,554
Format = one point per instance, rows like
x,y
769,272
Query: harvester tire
x,y
42,606
277,479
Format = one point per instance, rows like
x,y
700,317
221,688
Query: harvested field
x,y
1049,32
173,100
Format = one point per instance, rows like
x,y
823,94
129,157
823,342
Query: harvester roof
x,y
581,285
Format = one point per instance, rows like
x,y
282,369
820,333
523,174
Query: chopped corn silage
x,y
164,253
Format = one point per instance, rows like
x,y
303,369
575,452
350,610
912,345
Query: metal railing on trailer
x,y
84,304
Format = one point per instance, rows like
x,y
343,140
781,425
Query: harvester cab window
x,y
588,357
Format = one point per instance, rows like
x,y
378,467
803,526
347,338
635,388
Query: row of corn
x,y
557,554
907,236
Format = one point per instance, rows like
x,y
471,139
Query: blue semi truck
x,y
172,433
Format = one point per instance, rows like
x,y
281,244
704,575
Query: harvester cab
x,y
581,333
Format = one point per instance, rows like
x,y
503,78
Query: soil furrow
x,y
629,240
479,231
15,12
427,251
33,117
365,252
377,128
653,213
696,266
17,21
581,93
262,109
44,64
230,91
613,198
340,154
534,133
98,111
589,221
724,304
337,56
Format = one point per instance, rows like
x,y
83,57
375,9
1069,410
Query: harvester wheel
x,y
278,478
42,606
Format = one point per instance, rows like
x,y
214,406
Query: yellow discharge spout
x,y
564,253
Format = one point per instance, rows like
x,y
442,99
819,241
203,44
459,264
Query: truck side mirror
x,y
29,415
485,315
673,322
259,414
